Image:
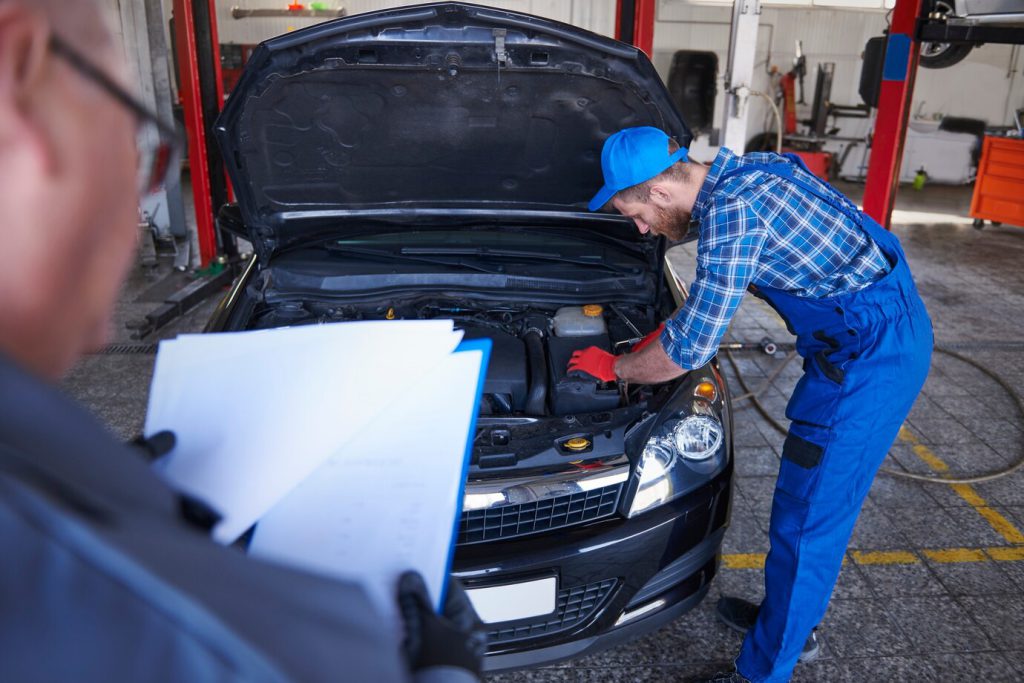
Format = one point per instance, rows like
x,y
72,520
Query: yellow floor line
x,y
896,557
1002,526
884,557
1006,554
743,561
954,555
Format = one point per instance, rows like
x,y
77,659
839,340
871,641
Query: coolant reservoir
x,y
579,321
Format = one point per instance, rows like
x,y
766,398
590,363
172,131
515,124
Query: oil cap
x,y
577,444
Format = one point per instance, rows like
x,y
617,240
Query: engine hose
x,y
753,396
537,398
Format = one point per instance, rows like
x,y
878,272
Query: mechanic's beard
x,y
672,223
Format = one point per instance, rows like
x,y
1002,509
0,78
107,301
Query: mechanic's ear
x,y
660,196
24,51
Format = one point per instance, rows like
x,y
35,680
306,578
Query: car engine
x,y
531,346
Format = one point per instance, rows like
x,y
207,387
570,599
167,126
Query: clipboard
x,y
339,523
390,483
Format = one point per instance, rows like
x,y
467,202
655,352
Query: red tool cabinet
x,y
999,188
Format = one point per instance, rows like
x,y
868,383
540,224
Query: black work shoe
x,y
740,615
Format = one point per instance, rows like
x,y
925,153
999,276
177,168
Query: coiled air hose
x,y
753,397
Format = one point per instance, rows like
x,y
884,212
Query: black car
x,y
435,162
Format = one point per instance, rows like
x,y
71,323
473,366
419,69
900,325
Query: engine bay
x,y
531,346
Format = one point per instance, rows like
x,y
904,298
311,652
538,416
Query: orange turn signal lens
x,y
706,390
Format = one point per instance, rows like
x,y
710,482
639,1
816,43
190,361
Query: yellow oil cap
x,y
390,315
577,444
592,310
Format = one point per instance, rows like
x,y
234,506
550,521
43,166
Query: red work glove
x,y
649,338
594,362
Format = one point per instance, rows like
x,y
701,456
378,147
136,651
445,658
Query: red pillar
x,y
901,56
196,124
643,36
634,23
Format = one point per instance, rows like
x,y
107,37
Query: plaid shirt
x,y
761,229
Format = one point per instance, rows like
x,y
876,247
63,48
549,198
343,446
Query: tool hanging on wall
x,y
800,69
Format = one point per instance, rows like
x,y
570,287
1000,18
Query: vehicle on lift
x,y
436,162
938,55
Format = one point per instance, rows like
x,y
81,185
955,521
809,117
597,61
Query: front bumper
x,y
617,578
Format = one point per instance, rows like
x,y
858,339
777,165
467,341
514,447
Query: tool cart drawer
x,y
999,188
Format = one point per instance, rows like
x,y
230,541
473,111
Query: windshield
x,y
539,240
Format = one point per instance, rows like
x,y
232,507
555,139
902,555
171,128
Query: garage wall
x,y
987,85
595,15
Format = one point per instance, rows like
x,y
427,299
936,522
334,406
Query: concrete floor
x,y
933,586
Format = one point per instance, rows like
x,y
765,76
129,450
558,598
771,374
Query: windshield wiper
x,y
484,252
383,255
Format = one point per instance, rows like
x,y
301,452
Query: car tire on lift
x,y
941,55
948,54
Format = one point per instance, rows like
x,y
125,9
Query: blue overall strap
x,y
785,171
882,237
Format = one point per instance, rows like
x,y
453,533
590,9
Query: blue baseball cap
x,y
630,157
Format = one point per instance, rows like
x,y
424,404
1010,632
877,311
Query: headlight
x,y
677,459
697,437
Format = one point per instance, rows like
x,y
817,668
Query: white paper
x,y
255,413
389,499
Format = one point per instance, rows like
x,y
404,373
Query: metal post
x,y
159,55
201,97
634,23
211,86
625,16
739,72
900,68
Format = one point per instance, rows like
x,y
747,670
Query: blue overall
x,y
866,355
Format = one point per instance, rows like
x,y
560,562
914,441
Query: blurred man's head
x,y
67,184
650,179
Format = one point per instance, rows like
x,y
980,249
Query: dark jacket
x,y
102,579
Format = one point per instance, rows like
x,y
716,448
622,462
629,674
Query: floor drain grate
x,y
126,348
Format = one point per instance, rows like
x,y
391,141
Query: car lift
x,y
907,31
899,69
635,24
202,95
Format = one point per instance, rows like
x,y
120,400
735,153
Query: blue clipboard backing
x,y
484,347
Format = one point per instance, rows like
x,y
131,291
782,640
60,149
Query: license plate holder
x,y
515,601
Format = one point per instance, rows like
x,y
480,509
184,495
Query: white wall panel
x,y
594,15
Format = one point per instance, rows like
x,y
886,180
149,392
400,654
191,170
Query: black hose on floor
x,y
753,396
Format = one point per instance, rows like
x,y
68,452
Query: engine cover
x,y
571,395
506,378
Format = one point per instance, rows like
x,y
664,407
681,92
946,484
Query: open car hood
x,y
427,110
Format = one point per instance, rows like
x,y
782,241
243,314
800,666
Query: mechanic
x,y
841,283
108,575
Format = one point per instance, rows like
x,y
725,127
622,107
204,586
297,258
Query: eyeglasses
x,y
158,144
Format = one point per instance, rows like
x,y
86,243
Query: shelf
x,y
242,13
